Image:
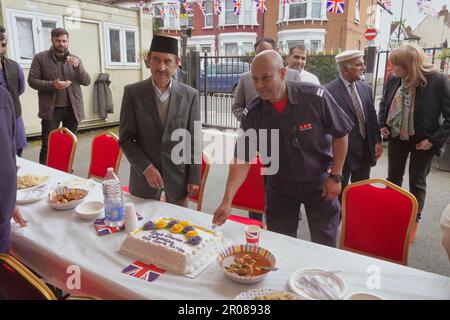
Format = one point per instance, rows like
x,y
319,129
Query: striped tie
x,y
359,111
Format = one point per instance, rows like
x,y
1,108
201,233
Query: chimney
x,y
443,12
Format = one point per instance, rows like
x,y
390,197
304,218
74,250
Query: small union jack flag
x,y
162,12
103,229
237,4
147,272
187,7
285,2
140,4
217,6
201,5
336,6
261,5
174,11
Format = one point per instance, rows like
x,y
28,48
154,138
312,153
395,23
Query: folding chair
x,y
62,144
377,219
198,197
105,153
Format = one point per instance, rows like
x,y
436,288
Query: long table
x,y
57,244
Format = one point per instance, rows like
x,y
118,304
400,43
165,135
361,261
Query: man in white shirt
x,y
296,59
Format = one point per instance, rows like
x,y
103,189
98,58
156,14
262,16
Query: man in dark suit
x,y
355,98
153,112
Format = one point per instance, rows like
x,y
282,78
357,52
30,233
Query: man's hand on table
x,y
18,218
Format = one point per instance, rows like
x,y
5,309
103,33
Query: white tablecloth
x,y
56,240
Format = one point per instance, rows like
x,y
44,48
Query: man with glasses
x,y
13,80
58,75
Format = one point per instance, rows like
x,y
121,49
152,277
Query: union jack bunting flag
x,y
285,2
147,272
174,11
237,4
162,12
217,6
386,5
335,6
261,5
187,7
426,8
103,229
140,4
201,5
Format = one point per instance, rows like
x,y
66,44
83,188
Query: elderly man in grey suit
x,y
245,91
355,98
154,110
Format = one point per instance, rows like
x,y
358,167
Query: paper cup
x,y
252,233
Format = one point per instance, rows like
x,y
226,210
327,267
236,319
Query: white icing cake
x,y
173,247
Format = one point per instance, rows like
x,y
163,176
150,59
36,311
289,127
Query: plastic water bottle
x,y
112,194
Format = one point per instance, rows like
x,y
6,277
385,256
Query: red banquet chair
x,y
377,220
198,197
62,144
251,195
105,153
17,282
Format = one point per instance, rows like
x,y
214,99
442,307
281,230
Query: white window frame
x,y
357,19
36,23
166,4
283,15
123,64
298,35
254,16
209,14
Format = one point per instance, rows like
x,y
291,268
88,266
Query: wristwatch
x,y
336,177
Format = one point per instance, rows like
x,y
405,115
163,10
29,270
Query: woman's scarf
x,y
401,113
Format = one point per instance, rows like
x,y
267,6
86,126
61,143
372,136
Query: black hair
x,y
268,40
59,32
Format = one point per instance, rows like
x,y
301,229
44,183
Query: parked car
x,y
223,77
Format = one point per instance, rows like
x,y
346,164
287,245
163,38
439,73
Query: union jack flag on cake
x,y
147,272
336,6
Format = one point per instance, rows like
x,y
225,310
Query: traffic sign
x,y
370,34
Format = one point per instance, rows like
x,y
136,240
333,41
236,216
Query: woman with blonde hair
x,y
415,116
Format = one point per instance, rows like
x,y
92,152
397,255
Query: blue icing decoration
x,y
195,240
149,226
188,228
172,223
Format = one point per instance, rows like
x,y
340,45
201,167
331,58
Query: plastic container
x,y
113,200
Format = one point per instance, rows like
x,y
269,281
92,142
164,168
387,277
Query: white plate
x,y
254,293
331,279
80,183
30,195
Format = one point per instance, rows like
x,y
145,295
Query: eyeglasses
x,y
4,45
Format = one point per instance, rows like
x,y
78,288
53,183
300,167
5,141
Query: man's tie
x,y
359,111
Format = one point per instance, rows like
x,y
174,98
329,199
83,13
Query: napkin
x,y
140,270
103,229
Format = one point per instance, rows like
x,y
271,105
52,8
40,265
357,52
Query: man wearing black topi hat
x,y
151,111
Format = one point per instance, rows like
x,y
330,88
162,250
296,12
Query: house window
x,y
297,10
230,17
290,44
31,33
208,14
205,48
121,46
316,9
158,20
247,13
231,49
247,47
314,46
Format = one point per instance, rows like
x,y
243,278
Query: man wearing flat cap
x,y
152,110
355,98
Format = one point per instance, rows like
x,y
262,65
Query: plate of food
x,y
30,195
31,181
66,198
246,263
318,284
267,294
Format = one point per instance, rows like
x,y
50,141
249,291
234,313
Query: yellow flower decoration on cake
x,y
177,228
161,224
191,234
185,223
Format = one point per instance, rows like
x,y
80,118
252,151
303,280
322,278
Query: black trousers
x,y
60,114
359,174
419,168
283,206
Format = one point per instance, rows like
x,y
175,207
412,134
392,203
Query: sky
x,y
410,13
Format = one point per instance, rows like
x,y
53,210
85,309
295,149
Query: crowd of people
x,y
328,136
